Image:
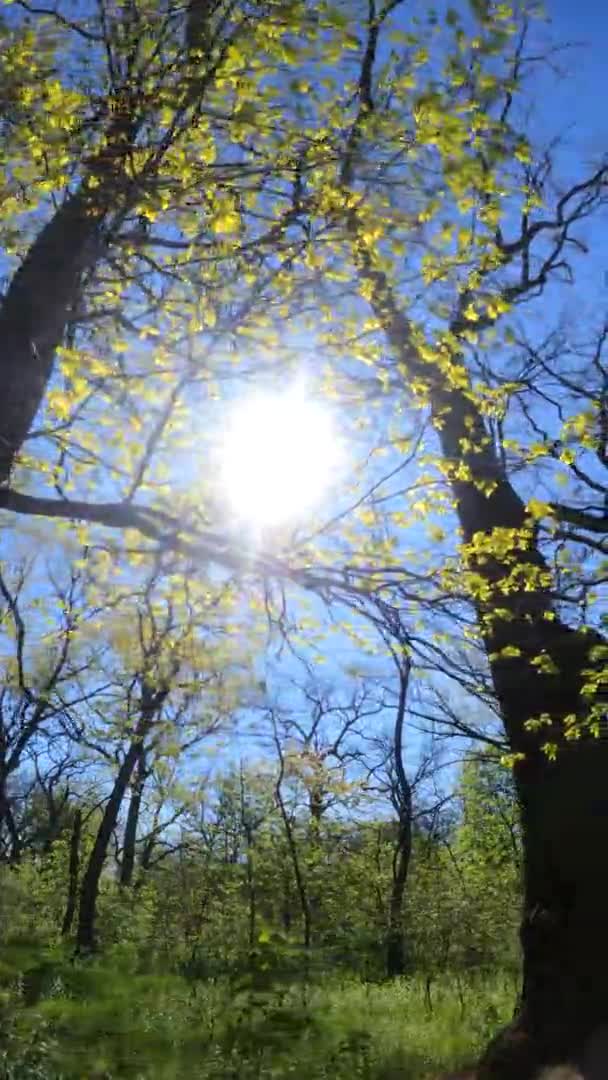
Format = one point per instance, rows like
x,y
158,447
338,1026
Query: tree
x,y
546,672
141,773
317,739
415,171
73,873
167,673
37,695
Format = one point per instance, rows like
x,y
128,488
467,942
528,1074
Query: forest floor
x,y
61,1020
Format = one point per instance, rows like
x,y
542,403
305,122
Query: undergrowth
x,y
101,1019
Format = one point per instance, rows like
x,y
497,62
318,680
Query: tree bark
x,y
130,834
43,292
564,997
73,872
7,822
34,316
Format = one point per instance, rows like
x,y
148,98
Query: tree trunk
x,y
74,870
294,855
44,291
564,803
85,937
7,821
564,996
151,702
130,834
286,904
34,316
402,800
395,943
147,852
316,805
251,889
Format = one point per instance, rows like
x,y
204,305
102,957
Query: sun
x,y
279,454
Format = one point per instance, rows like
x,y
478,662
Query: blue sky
x,y
581,97
574,105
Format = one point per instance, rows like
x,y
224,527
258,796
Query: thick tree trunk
x,y
564,803
564,998
34,315
44,291
73,872
130,834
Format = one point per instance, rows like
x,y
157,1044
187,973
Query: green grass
x,y
100,1021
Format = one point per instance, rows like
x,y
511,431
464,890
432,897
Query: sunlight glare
x,y
279,454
